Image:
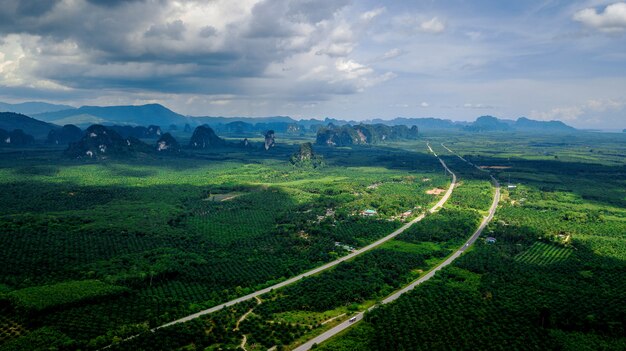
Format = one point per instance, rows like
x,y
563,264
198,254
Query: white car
x,y
353,319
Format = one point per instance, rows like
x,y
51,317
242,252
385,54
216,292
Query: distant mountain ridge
x,y
11,121
136,115
143,115
523,124
32,107
421,122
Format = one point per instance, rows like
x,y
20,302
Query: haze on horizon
x,y
456,59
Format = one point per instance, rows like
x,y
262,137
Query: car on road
x,y
353,319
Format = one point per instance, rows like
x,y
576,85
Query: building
x,y
369,212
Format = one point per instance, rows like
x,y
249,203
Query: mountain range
x,y
54,116
33,107
490,123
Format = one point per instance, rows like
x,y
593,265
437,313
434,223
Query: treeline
x,y
450,225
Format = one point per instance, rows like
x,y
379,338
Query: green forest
x,y
104,250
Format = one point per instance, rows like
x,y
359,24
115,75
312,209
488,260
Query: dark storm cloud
x,y
106,33
112,3
105,38
267,20
155,46
211,74
21,93
31,8
171,30
86,24
207,31
12,12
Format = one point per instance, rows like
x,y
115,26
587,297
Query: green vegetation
x,y
305,157
542,253
170,236
39,298
371,276
450,225
555,273
295,313
103,250
41,339
215,331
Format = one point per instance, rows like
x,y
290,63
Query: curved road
x,y
359,316
289,281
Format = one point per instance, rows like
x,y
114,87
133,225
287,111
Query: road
x,y
359,316
329,265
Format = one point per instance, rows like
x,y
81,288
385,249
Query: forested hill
x,y
363,134
526,124
11,121
523,124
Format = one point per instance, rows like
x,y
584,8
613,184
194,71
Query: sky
x,y
455,59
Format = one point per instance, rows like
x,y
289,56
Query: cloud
x,y
566,113
413,24
424,104
314,11
370,15
207,31
32,8
391,54
434,26
258,56
580,112
112,3
192,47
339,41
611,20
171,30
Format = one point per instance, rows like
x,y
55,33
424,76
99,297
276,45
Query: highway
x,y
359,316
329,265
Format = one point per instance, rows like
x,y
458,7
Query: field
x,y
542,254
141,242
555,274
287,317
100,251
